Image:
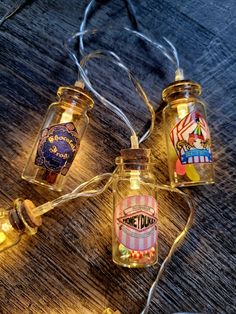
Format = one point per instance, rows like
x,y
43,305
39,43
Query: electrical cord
x,y
176,244
115,59
13,10
171,55
81,191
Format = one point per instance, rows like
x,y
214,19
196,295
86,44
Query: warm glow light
x,y
67,115
135,180
2,237
182,110
6,227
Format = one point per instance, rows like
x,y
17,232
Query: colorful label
x,y
57,147
135,222
191,140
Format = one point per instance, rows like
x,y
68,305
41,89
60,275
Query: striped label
x,y
191,139
135,221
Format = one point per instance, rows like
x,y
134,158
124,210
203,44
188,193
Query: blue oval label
x,y
57,147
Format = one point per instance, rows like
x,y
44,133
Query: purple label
x,y
57,147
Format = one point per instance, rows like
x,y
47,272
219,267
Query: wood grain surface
x,y
66,267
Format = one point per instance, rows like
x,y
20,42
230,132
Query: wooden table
x,y
67,267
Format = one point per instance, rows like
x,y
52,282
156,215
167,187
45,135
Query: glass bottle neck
x,y
181,91
75,97
73,104
127,167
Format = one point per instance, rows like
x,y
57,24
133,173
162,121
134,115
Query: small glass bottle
x,y
58,141
135,213
187,135
16,221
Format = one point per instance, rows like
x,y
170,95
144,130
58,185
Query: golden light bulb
x,y
182,110
67,116
17,221
2,237
135,179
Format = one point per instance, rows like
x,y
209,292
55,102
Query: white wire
x,y
119,63
174,51
88,84
16,6
80,191
174,58
176,244
114,58
83,25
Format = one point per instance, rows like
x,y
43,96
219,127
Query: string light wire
x,y
176,244
113,57
81,191
84,190
171,54
13,10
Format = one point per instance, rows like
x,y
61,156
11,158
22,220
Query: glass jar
x,y
135,212
187,135
16,221
59,138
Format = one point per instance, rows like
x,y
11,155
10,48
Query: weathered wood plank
x,y
67,267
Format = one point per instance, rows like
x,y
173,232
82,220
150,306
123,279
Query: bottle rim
x,y
78,92
134,156
186,86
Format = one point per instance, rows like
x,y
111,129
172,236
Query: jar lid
x,y
184,86
21,216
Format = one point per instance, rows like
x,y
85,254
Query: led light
x,y
134,179
6,227
67,116
182,110
17,221
2,237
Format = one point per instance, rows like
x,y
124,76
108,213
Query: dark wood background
x,y
67,267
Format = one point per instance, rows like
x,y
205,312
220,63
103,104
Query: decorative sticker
x,y
191,140
57,147
136,222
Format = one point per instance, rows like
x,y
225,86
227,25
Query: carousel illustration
x,y
191,139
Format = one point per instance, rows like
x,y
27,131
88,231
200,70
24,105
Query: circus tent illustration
x,y
191,129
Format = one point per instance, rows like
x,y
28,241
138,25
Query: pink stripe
x,y
128,237
180,134
154,233
187,118
120,210
145,241
136,240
